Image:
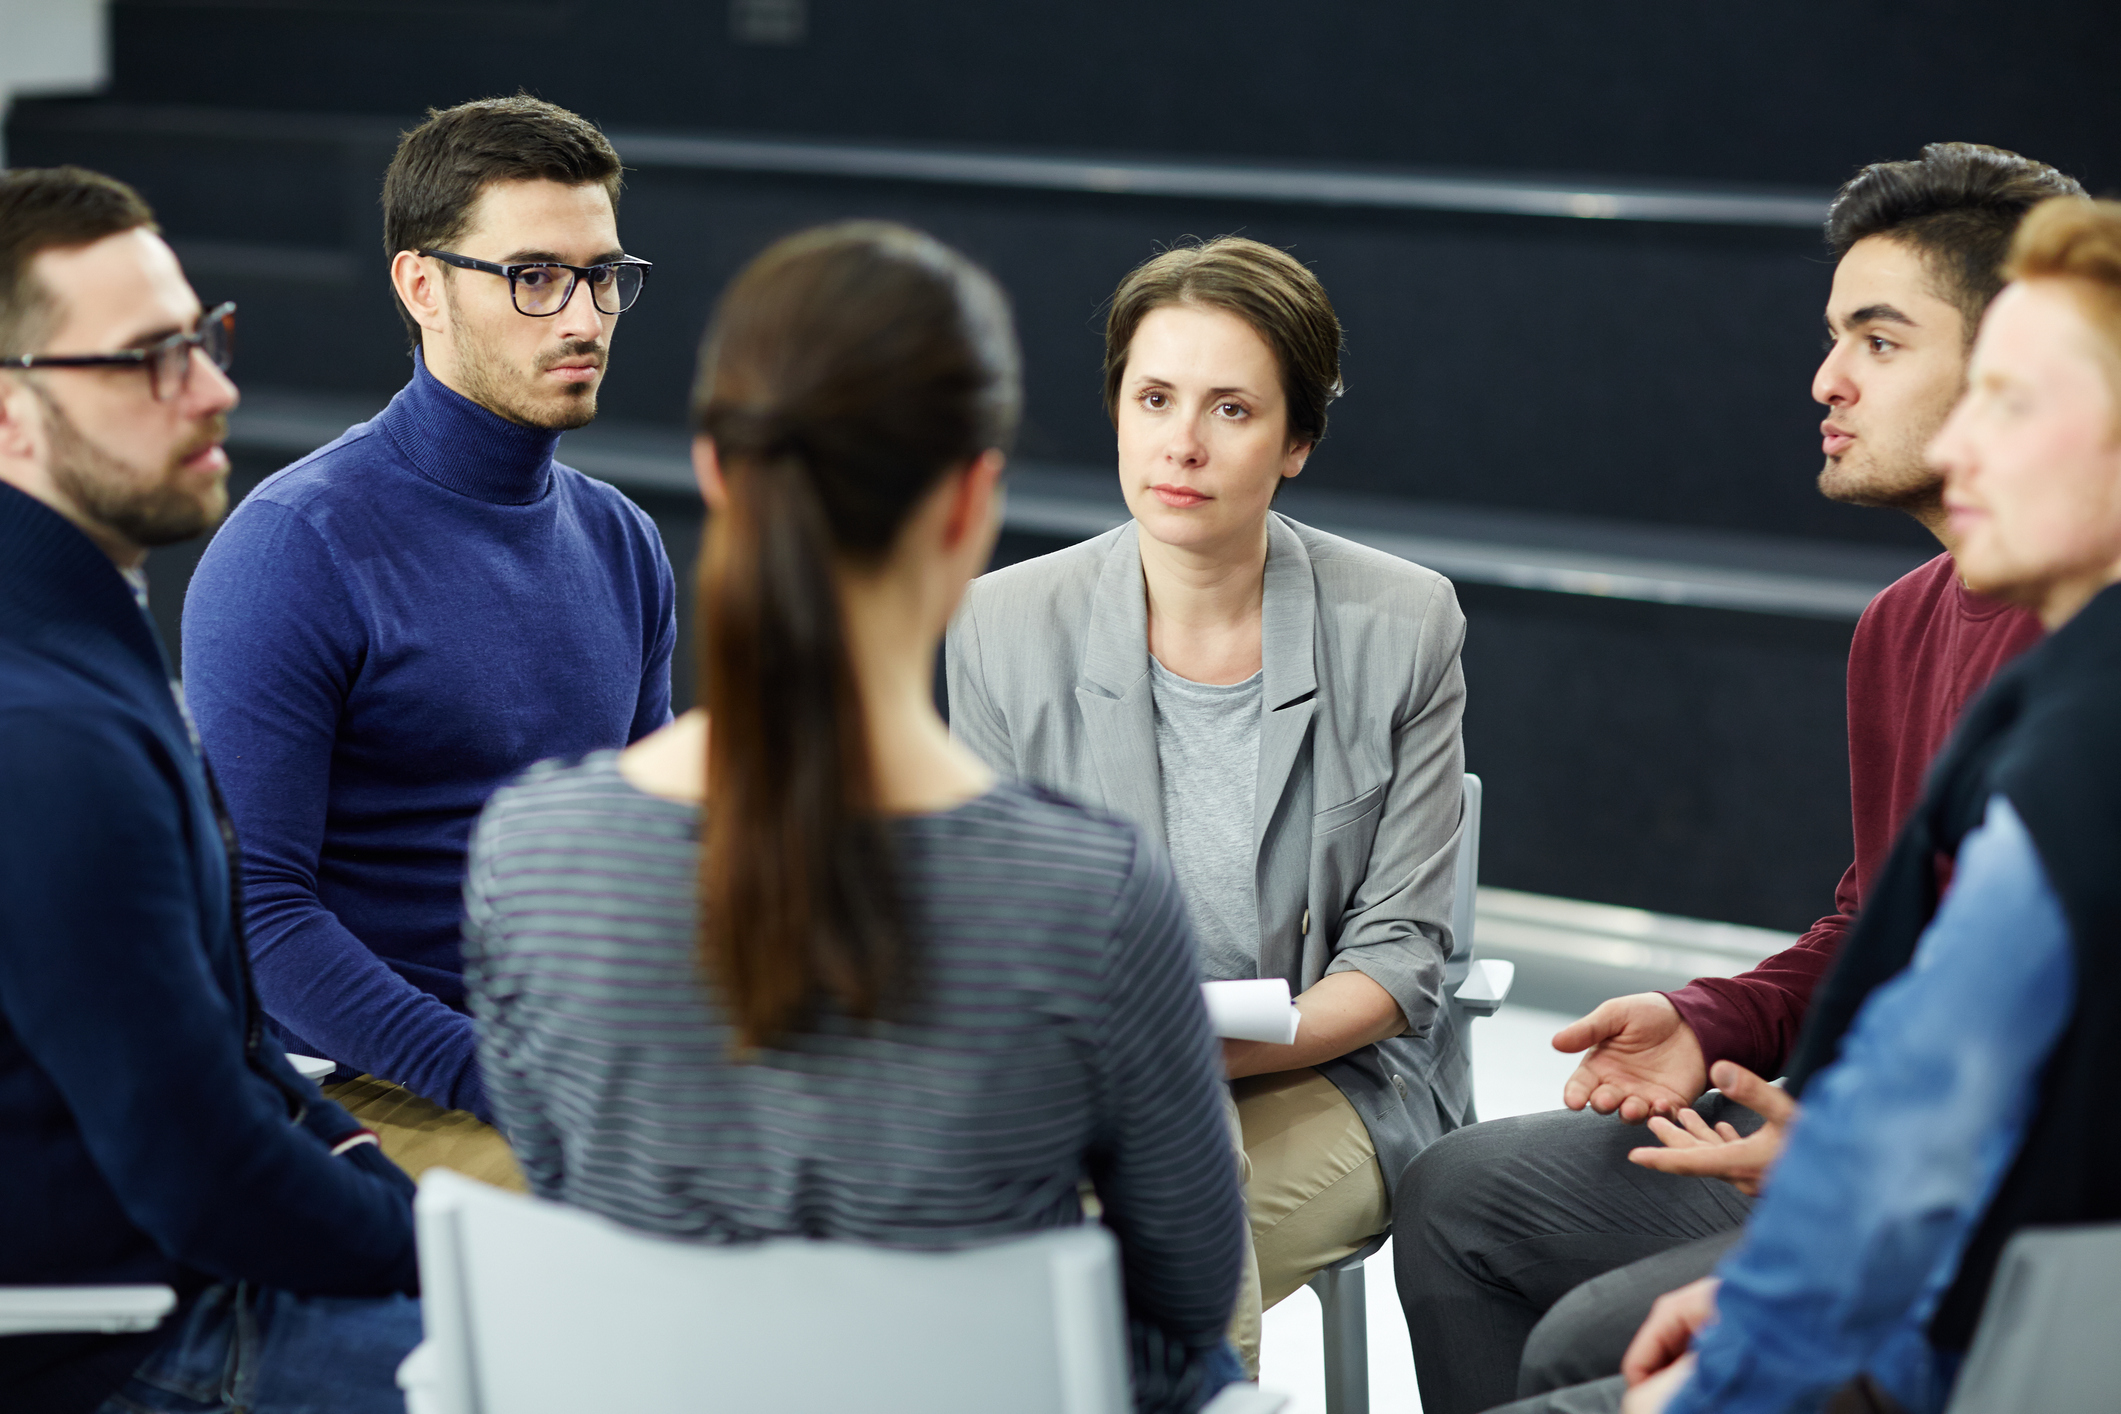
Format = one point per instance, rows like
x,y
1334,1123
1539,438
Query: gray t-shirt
x,y
1207,743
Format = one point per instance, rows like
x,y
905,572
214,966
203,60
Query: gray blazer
x,y
1360,767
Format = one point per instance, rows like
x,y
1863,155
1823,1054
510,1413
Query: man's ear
x,y
21,429
707,471
976,503
419,287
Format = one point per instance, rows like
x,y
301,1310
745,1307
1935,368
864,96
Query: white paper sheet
x,y
1257,1009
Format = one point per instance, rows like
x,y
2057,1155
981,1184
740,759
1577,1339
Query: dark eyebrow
x,y
153,337
1881,314
546,257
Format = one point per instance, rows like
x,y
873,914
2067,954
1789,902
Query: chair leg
x,y
1343,1300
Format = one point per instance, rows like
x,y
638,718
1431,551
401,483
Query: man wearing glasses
x,y
403,620
151,1133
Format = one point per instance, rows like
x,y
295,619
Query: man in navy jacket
x,y
151,1134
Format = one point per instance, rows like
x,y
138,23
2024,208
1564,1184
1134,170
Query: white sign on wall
x,y
51,46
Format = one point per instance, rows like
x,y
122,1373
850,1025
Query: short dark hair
x,y
1269,289
1958,205
53,208
443,165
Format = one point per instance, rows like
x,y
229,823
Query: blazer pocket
x,y
1339,817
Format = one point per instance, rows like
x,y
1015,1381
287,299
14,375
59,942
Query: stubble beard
x,y
137,508
508,392
1895,476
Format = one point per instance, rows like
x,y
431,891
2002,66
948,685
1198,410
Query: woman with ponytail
x,y
798,964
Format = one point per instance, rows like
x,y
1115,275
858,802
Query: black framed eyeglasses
x,y
538,290
168,361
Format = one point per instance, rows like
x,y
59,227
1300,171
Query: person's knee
x,y
1581,1338
1443,1175
1334,1223
1470,1174
1586,1332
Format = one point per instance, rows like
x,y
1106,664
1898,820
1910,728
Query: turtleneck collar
x,y
455,443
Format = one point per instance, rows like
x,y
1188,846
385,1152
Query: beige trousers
x,y
1313,1191
418,1134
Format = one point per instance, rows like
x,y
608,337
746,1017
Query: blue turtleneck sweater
x,y
379,636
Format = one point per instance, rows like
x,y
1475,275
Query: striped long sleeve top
x,y
1052,1031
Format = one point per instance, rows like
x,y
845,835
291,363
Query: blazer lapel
x,y
1288,612
1113,690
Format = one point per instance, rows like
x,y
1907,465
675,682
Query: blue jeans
x,y
1224,1369
269,1352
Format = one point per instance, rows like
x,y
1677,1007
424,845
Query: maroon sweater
x,y
1923,649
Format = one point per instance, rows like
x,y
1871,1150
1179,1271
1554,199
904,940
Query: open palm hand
x,y
1640,1059
1693,1147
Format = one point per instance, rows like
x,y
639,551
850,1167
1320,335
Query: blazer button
x,y
1400,1085
1306,929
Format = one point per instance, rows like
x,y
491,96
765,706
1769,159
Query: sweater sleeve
x,y
653,712
271,651
1168,1175
1753,1019
110,989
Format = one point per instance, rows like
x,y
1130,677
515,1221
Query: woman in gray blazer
x,y
1278,705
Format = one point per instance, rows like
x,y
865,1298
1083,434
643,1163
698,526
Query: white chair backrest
x,y
1466,883
532,1307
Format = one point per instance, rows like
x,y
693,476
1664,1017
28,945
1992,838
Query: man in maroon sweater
x,y
1496,1224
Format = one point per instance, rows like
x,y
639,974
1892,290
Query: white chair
x,y
1476,987
311,1068
56,1310
2046,1340
533,1307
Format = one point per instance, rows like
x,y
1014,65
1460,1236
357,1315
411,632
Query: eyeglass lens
x,y
170,369
544,289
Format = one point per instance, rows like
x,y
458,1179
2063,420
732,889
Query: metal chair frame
x,y
1475,988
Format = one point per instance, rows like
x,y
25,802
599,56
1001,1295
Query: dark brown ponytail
x,y
845,372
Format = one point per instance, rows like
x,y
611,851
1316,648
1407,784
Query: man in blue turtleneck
x,y
398,623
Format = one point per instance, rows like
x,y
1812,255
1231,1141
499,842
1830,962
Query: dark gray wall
x,y
1682,759
1798,92
1629,370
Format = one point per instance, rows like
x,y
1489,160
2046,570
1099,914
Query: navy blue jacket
x,y
148,1131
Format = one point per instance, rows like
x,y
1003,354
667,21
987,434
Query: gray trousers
x,y
1597,1397
1497,1223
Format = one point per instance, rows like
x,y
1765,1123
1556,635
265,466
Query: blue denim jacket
x,y
1901,1146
